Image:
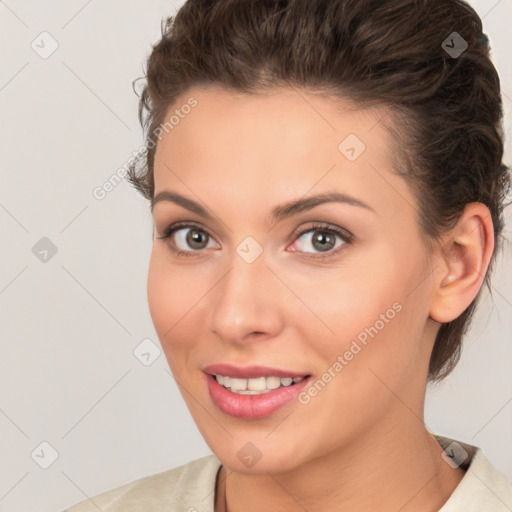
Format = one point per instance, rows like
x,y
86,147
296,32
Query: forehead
x,y
281,143
244,120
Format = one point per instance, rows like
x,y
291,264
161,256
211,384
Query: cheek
x,y
171,294
371,318
178,301
375,350
161,302
367,327
172,289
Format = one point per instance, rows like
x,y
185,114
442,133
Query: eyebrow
x,y
278,213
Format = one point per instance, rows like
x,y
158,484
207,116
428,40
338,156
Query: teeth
x,y
256,385
259,384
238,384
273,382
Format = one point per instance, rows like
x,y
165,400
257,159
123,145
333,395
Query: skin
x,y
361,443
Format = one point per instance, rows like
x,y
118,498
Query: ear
x,y
462,262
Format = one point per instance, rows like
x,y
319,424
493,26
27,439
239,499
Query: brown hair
x,y
446,107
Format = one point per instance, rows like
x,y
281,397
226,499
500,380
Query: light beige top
x,y
191,487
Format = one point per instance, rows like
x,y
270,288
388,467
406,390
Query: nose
x,y
247,303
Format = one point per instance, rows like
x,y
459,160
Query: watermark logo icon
x,y
147,352
249,454
44,455
44,250
351,147
454,45
44,45
454,455
249,250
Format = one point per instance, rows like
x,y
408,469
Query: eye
x,y
185,236
189,239
322,238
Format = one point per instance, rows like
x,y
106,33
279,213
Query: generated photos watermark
x,y
356,346
100,192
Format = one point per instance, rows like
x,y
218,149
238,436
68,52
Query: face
x,y
336,290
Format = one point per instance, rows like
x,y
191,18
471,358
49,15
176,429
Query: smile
x,y
252,404
255,386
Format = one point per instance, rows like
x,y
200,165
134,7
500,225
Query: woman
x,y
326,185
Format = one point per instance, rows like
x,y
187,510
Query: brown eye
x,y
196,238
187,238
322,239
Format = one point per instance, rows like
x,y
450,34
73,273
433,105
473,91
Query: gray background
x,y
69,325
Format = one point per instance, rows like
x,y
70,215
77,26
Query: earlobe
x,y
463,258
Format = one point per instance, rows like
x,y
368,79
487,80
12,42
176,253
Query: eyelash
x,y
345,236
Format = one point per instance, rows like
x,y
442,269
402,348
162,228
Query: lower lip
x,y
252,407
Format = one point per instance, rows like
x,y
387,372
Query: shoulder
x,y
483,487
191,486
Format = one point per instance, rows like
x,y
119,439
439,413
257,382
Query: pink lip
x,y
249,372
252,407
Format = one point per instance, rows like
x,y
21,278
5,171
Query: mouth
x,y
256,385
252,392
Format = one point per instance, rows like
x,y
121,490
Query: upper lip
x,y
249,372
